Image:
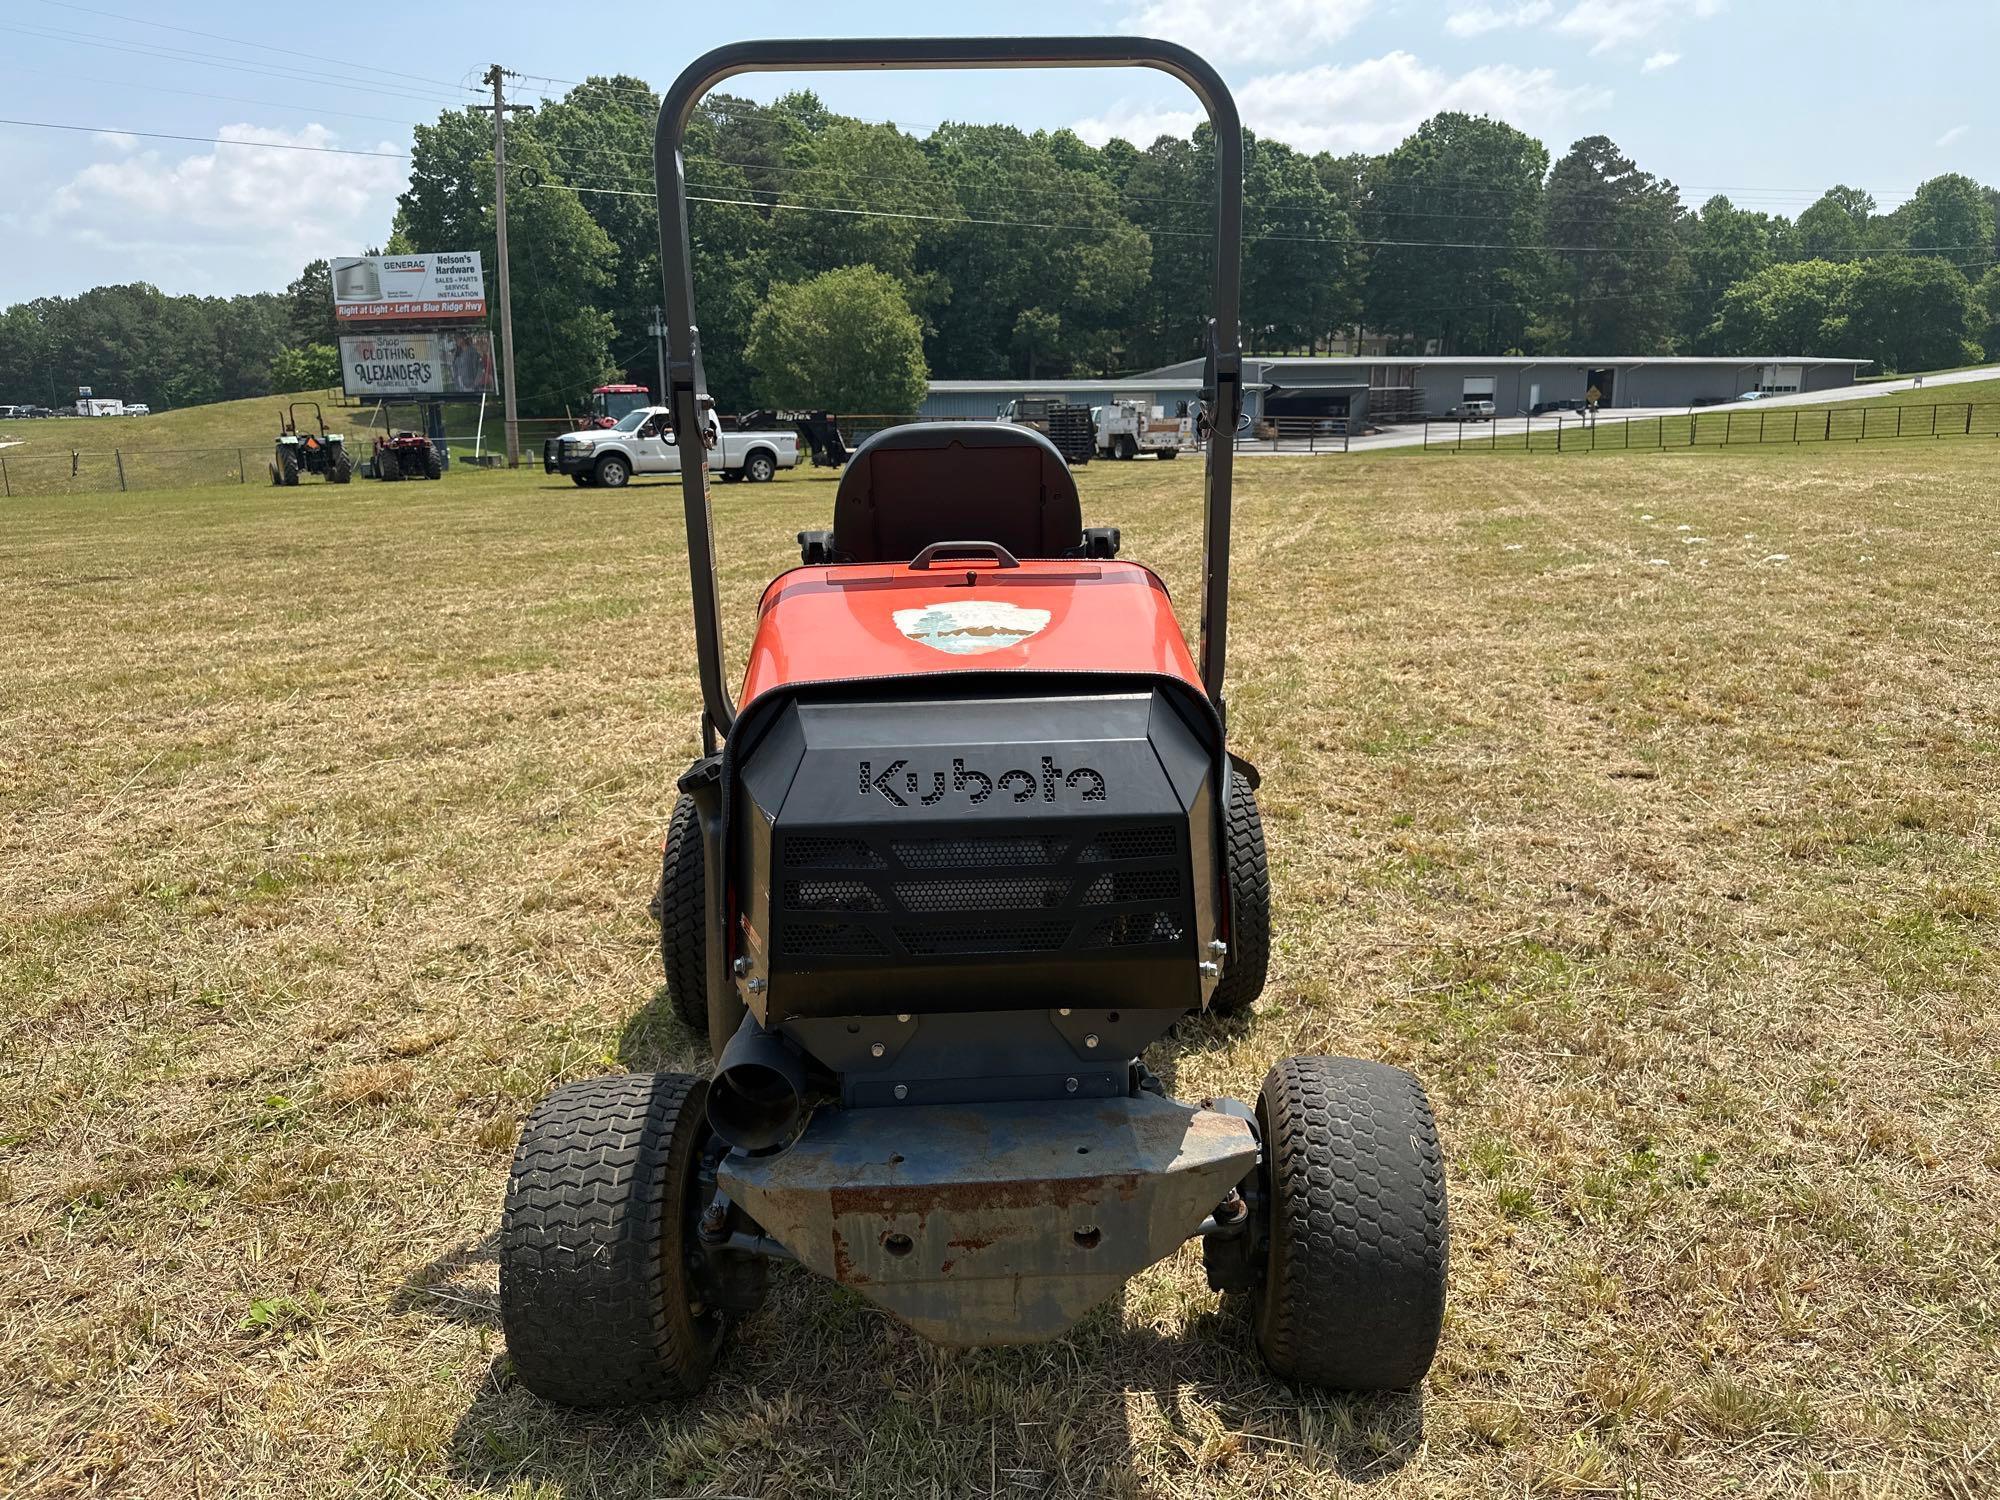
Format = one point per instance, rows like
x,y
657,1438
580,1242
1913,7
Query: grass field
x,y
1650,821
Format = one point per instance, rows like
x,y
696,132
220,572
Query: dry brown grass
x,y
327,822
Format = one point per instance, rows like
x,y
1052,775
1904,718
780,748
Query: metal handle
x,y
994,550
686,386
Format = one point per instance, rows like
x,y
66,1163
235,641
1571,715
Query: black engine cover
x,y
992,854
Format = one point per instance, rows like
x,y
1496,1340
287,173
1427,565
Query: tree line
x,y
981,250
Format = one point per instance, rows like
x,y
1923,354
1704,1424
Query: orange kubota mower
x,y
968,841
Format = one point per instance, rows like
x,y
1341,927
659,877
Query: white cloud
x,y
123,140
1608,24
1659,62
1952,134
231,216
1249,30
1477,20
1366,106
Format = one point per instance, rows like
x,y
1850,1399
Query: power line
x,y
204,140
183,57
157,88
212,36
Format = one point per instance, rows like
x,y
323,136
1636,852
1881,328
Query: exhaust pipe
x,y
757,1102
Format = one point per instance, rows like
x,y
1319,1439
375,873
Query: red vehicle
x,y
610,402
969,841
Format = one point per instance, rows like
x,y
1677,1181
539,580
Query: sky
x,y
1768,101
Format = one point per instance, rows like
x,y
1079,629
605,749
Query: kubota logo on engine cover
x,y
903,786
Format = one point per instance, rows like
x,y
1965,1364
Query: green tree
x,y
1030,229
309,315
1950,218
1619,261
852,165
1037,335
1799,307
1461,184
1832,228
846,341
1726,245
1911,312
307,368
1986,307
1301,269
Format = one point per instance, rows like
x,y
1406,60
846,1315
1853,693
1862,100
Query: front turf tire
x,y
681,911
595,1293
1353,1287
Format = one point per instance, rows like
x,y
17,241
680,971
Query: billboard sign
x,y
432,288
417,364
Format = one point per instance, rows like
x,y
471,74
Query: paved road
x,y
1502,428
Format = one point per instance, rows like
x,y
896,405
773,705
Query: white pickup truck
x,y
643,442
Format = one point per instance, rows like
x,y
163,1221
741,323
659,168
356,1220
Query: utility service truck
x,y
1125,429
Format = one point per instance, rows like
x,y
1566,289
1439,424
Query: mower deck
x,y
996,1223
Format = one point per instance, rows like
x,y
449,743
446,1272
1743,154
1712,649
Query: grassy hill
x,y
224,442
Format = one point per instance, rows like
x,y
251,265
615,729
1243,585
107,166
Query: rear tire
x,y
288,467
433,463
341,469
612,472
682,914
1247,868
389,465
1170,453
1127,448
760,468
595,1293
1354,1279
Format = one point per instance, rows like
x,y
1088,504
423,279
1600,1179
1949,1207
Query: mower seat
x,y
907,487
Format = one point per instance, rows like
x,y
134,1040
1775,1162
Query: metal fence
x,y
1745,427
73,471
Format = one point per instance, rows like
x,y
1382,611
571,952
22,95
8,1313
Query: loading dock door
x,y
1602,380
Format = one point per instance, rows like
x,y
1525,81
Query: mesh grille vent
x,y
831,854
1156,842
978,854
1132,885
830,895
832,940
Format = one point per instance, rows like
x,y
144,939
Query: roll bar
x,y
686,386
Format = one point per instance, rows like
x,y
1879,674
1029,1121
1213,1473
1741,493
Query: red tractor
x,y
608,403
407,455
968,842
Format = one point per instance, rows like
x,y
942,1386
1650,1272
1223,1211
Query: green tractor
x,y
322,453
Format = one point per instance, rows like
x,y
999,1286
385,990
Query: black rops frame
x,y
687,386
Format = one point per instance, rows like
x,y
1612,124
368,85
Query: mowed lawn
x,y
1644,807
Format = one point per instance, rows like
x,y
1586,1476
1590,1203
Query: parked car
x,y
137,409
1752,396
1479,410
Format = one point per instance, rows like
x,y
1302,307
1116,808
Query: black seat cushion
x,y
907,487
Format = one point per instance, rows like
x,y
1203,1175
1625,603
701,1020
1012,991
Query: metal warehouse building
x,y
982,399
1384,389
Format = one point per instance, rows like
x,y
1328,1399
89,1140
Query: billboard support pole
x,y
496,76
660,349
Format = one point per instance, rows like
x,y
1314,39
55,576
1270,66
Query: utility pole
x,y
659,332
496,76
